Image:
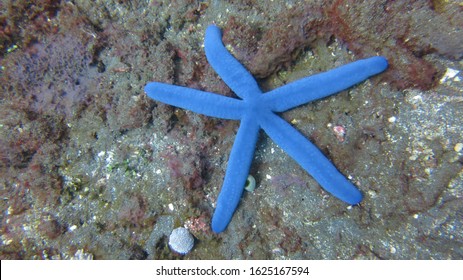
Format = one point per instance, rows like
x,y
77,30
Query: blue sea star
x,y
256,110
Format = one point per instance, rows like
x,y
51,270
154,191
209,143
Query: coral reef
x,y
90,168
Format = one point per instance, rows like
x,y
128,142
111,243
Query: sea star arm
x,y
198,101
238,167
232,72
324,84
310,158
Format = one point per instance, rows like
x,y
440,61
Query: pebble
x,y
181,241
458,147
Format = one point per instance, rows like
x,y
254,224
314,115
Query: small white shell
x,y
250,184
181,241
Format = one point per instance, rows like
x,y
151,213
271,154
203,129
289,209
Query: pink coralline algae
x,y
339,132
